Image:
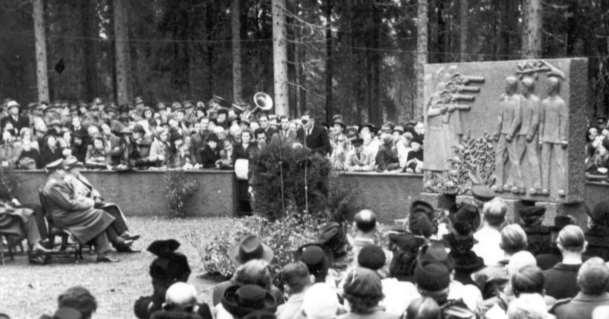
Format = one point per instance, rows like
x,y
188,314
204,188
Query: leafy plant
x,y
473,163
180,187
278,180
283,236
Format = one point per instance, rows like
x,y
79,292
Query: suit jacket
x,y
317,140
580,307
561,281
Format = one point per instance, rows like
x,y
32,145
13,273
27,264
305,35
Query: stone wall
x,y
144,193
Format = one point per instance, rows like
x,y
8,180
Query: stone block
x,y
532,117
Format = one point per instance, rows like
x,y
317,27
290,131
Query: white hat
x,y
320,301
181,294
12,103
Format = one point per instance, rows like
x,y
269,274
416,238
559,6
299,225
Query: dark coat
x,y
580,307
18,124
598,242
240,152
561,281
209,157
317,141
47,155
77,214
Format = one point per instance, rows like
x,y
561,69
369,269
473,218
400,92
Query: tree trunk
x,y
209,13
298,73
90,34
463,29
377,108
236,41
42,78
533,27
328,12
121,40
280,59
422,21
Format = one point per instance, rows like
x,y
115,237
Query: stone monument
x,y
516,126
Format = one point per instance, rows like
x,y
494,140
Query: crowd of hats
x,y
176,135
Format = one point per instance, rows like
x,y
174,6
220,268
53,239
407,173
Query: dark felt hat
x,y
431,276
468,261
371,257
560,221
406,241
251,248
339,121
436,251
600,213
169,264
243,300
316,259
420,224
531,214
328,232
482,192
466,219
423,207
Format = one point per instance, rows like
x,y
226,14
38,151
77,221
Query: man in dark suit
x,y
313,136
592,278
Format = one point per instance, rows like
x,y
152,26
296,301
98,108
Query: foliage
x,y
180,187
8,183
473,163
283,236
278,179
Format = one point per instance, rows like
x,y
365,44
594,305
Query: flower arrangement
x,y
180,188
473,163
283,236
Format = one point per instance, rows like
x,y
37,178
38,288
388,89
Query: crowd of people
x,y
187,135
597,148
461,260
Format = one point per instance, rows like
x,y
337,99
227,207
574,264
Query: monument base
x,y
575,209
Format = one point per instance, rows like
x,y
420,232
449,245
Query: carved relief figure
x,y
528,138
553,137
443,116
507,160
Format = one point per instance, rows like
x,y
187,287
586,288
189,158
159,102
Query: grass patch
x,y
30,291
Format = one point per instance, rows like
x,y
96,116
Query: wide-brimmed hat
x,y
71,162
466,219
251,248
560,221
482,192
531,214
241,300
370,126
11,104
339,121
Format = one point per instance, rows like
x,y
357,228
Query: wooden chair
x,y
6,246
69,245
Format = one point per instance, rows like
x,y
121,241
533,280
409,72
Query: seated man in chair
x,y
78,214
83,188
18,222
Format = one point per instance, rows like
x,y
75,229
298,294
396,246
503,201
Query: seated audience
x,y
358,160
592,279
